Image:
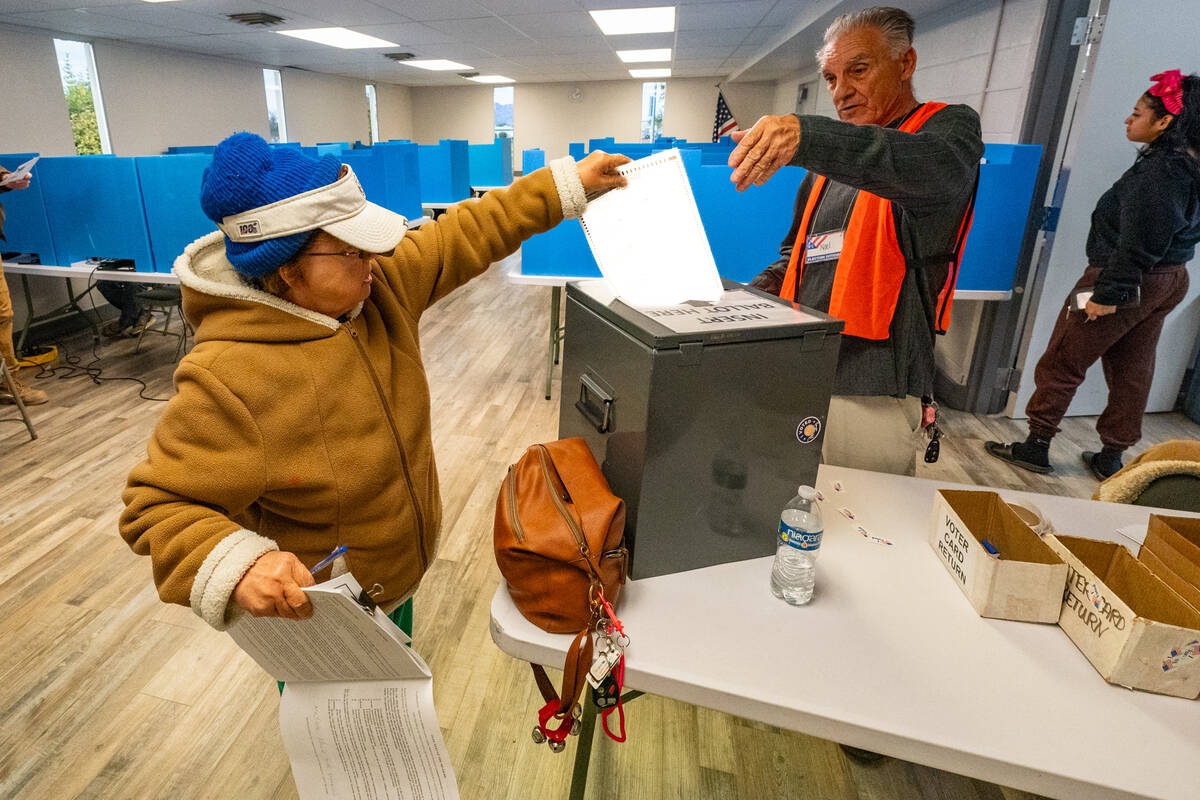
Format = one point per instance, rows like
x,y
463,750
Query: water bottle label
x,y
801,540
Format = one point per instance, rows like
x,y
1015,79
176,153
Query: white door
x,y
1140,38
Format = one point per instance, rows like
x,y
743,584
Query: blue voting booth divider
x,y
445,171
532,159
389,174
1006,181
94,206
26,228
175,150
577,150
491,164
170,193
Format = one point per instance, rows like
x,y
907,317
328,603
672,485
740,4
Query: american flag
x,y
725,122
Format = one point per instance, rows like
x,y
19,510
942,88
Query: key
x,y
605,695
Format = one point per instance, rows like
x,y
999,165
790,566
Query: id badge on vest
x,y
822,247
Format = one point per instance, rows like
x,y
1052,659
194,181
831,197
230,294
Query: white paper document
x,y
647,237
357,714
20,172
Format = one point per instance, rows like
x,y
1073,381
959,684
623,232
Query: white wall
x,y
454,112
34,118
156,98
394,107
546,116
323,108
748,101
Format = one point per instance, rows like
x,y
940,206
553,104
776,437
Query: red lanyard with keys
x,y
607,675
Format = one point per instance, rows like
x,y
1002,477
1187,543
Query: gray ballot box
x,y
705,417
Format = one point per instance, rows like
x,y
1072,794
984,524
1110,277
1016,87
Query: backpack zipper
x,y
412,492
547,472
510,486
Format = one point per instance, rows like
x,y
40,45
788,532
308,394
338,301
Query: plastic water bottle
x,y
800,529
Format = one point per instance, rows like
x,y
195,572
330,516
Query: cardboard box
x,y
1025,582
1172,552
1135,629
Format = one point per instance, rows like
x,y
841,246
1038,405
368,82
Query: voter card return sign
x,y
1005,569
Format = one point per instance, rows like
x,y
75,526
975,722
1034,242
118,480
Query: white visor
x,y
340,208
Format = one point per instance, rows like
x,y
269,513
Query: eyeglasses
x,y
360,254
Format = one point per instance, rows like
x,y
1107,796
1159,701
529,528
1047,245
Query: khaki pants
x,y
879,434
6,325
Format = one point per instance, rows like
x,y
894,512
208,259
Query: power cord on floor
x,y
76,369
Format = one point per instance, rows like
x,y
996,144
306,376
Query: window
x,y
654,100
276,124
502,102
81,87
372,113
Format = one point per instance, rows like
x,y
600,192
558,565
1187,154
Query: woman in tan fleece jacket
x,y
302,416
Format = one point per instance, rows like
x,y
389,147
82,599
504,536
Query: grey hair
x,y
895,24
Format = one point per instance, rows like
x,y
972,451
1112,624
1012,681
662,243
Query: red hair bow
x,y
1169,88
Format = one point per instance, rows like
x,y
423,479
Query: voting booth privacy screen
x,y
711,413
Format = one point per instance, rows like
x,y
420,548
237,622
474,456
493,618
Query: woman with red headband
x,y
1144,230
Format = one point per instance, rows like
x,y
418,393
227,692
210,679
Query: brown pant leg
x,y
6,325
1075,344
1129,363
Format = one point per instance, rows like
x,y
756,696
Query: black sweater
x,y
1149,218
929,176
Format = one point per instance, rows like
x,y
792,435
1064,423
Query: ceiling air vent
x,y
398,56
257,18
468,74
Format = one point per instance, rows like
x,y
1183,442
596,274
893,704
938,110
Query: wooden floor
x,y
107,693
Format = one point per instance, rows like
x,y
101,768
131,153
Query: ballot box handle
x,y
594,403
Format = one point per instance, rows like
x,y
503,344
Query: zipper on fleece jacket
x,y
387,410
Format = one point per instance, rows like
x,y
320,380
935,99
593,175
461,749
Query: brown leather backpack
x,y
559,539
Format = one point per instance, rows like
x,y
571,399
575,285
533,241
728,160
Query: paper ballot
x,y
648,239
357,714
20,172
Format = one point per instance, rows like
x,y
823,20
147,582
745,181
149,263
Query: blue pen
x,y
329,559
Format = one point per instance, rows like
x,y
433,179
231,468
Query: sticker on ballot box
x,y
801,540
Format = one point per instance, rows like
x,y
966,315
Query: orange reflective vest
x,y
870,269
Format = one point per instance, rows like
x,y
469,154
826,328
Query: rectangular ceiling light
x,y
661,72
638,56
338,37
440,64
660,19
491,79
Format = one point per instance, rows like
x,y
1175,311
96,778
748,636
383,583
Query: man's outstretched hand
x,y
763,149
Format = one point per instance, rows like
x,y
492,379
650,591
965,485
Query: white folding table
x,y
891,657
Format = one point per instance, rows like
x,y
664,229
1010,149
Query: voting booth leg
x,y
556,335
65,310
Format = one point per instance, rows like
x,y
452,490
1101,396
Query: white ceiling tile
x,y
715,16
16,6
89,23
342,12
174,18
542,26
528,6
730,36
425,10
482,29
408,34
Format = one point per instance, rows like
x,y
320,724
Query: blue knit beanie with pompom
x,y
247,173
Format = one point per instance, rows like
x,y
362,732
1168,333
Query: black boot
x,y
1104,464
1032,454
